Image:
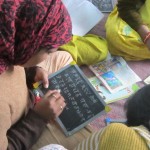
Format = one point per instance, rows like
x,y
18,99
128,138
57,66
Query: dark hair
x,y
138,108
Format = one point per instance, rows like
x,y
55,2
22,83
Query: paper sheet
x,y
84,15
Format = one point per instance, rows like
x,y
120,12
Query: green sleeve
x,y
129,12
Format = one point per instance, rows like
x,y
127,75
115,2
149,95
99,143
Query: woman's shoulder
x,y
12,76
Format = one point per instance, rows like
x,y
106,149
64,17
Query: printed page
x,y
112,97
115,74
84,15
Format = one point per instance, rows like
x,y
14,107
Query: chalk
x,y
35,85
59,90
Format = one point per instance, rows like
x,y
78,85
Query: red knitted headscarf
x,y
29,25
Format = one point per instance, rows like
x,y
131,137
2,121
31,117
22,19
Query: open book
x,y
115,74
112,97
84,104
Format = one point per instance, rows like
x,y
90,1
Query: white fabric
x,y
53,147
84,15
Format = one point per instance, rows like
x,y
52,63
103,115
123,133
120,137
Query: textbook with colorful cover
x,y
115,74
112,97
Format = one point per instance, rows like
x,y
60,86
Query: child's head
x,y
138,108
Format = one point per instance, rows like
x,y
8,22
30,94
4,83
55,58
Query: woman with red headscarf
x,y
29,31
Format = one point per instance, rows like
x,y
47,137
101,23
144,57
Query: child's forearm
x,y
143,30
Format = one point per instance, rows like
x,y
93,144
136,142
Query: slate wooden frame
x,y
66,122
104,6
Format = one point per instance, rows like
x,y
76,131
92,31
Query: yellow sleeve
x,y
87,50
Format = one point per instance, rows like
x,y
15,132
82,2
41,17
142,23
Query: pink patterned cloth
x,y
27,26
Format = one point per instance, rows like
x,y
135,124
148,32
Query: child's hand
x,y
148,43
143,31
42,75
51,105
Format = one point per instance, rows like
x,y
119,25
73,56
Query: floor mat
x,y
142,69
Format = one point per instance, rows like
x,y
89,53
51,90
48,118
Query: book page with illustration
x,y
114,73
112,97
